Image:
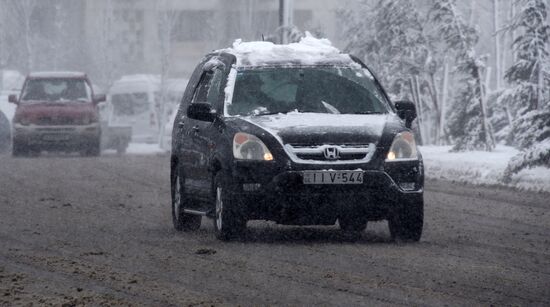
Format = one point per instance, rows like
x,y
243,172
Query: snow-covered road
x,y
98,231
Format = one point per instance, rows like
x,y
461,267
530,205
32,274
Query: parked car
x,y
5,133
113,136
133,101
56,111
299,134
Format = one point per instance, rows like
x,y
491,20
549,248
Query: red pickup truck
x,y
56,111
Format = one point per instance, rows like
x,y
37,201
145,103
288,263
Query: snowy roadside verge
x,y
139,149
481,168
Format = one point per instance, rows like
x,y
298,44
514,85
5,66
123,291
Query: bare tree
x,y
20,17
166,23
107,53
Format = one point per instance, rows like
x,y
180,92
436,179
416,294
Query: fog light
x,y
250,187
407,186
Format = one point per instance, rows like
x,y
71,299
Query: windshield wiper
x,y
368,112
270,113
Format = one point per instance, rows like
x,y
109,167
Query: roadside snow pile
x,y
139,149
481,167
144,149
308,51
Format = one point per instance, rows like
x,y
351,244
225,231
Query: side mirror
x,y
13,99
201,111
406,110
98,98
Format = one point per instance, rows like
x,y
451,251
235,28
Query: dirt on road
x,y
97,231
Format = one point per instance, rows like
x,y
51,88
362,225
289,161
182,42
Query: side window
x,y
208,89
214,90
201,92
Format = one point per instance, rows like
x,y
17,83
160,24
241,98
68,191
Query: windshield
x,y
129,104
56,90
336,90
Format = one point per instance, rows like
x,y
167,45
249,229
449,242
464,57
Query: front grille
x,y
332,153
55,121
55,129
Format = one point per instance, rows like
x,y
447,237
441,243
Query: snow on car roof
x,y
309,51
57,74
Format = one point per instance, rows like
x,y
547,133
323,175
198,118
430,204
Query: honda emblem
x,y
332,153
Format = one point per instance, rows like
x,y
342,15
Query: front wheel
x,y
407,221
93,149
182,221
19,150
229,221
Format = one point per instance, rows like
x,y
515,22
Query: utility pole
x,y
286,10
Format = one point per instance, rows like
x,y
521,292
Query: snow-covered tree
x,y
390,37
468,122
529,78
394,46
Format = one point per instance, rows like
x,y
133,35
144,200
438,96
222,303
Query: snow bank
x,y
481,167
139,149
309,51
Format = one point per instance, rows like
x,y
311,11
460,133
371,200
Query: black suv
x,y
296,139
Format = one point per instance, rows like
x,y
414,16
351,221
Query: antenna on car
x,y
263,38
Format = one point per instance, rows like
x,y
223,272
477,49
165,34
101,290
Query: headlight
x,y
403,147
249,147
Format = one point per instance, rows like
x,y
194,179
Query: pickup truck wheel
x,y
19,150
93,150
181,220
406,223
229,222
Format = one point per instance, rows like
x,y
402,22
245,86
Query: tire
x,y
181,220
19,150
407,222
121,148
93,149
229,220
352,223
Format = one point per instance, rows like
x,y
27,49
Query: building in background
x,y
130,33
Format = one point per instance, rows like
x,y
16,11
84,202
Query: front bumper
x,y
268,192
65,136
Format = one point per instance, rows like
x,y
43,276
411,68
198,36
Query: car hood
x,y
318,129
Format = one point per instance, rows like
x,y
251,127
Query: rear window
x,y
56,90
129,104
336,90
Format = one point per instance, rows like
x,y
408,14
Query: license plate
x,y
333,177
55,137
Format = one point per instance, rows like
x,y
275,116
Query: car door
x,y
202,133
182,144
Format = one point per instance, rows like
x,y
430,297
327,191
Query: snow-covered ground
x,y
139,149
480,167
